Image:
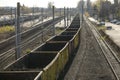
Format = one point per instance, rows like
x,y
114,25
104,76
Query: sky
x,y
40,3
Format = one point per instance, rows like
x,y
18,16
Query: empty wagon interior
x,y
32,62
61,38
72,33
74,26
72,29
51,46
18,75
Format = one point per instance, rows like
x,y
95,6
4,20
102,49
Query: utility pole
x,y
64,18
82,10
70,14
17,30
15,17
53,12
11,16
67,16
11,13
60,14
22,16
42,13
33,14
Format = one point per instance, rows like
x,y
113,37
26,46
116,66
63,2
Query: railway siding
x,y
49,59
8,46
89,62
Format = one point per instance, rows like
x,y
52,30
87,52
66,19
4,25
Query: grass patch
x,y
101,28
27,50
87,14
5,29
103,37
59,30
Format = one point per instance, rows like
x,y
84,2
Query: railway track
x,y
30,36
22,19
110,55
89,62
46,61
26,34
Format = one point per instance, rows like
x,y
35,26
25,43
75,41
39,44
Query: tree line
x,y
102,9
107,10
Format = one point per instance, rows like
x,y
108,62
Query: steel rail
x,y
107,51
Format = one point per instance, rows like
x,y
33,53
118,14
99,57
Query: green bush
x,y
5,29
28,51
101,27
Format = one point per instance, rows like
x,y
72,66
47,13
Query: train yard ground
x,y
93,60
90,62
113,33
44,34
24,26
60,41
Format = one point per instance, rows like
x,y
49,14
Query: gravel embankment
x,y
89,62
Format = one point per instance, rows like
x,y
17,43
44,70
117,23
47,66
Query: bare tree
x,y
50,4
116,2
89,6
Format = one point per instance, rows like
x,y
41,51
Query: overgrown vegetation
x,y
103,37
101,28
59,30
28,50
87,14
5,29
